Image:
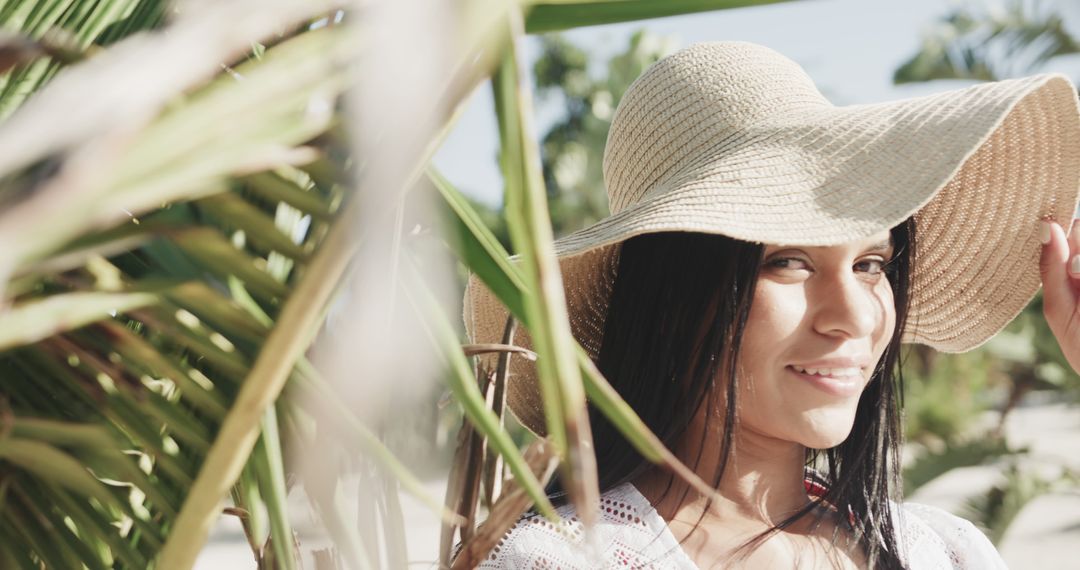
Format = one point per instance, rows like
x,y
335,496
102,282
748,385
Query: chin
x,y
824,442
826,432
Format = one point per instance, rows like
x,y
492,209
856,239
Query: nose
x,y
847,307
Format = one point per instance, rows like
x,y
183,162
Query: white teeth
x,y
835,372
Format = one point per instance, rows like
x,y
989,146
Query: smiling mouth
x,y
843,382
853,371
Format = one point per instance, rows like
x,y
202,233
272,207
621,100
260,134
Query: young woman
x,y
766,255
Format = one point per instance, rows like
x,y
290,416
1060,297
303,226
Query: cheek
x,y
774,319
888,307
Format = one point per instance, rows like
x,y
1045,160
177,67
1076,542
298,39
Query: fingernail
x,y
1074,265
1044,232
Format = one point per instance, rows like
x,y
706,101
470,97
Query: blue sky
x,y
849,47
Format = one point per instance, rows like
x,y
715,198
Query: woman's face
x,y
820,320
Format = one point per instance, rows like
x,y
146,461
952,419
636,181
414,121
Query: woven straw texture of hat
x,y
733,138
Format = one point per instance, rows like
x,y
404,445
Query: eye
x,y
872,266
787,264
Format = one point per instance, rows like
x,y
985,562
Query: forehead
x,y
879,241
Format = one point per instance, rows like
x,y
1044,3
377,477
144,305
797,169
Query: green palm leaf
x,y
553,15
170,253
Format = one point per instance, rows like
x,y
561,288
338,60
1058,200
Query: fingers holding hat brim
x,y
1053,261
1060,285
1074,249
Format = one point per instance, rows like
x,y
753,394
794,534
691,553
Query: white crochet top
x,y
631,534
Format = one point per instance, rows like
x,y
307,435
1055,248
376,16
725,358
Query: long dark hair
x,y
675,320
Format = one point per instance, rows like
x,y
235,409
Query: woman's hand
x,y
1060,269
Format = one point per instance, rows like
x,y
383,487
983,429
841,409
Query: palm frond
x,y
171,248
989,44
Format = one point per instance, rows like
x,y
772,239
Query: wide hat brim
x,y
978,168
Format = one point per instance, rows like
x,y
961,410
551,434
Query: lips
x,y
852,361
838,372
836,381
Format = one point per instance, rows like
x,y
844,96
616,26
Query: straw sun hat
x,y
733,138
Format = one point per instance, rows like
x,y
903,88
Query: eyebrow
x,y
884,245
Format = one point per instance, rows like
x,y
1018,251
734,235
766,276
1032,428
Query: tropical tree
x,y
183,191
989,41
572,149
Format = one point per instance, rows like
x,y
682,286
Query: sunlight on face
x,y
820,321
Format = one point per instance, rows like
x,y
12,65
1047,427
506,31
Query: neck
x,y
762,482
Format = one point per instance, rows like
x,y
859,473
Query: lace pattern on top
x,y
935,539
631,534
